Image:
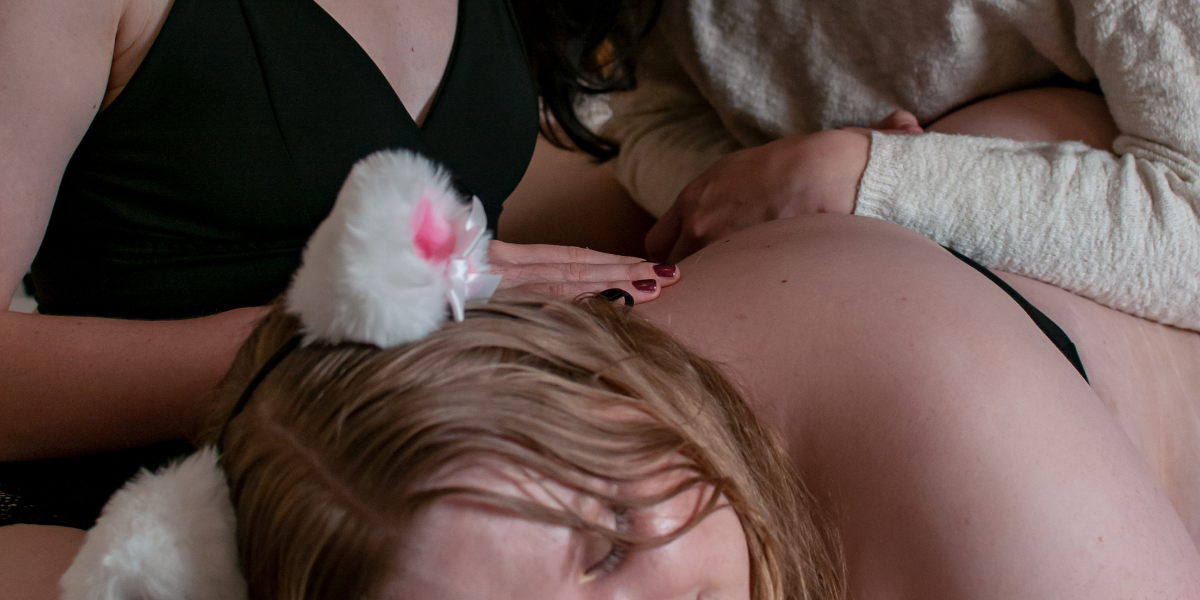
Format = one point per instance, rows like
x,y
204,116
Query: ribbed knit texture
x,y
1124,230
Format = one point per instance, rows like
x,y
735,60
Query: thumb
x,y
900,121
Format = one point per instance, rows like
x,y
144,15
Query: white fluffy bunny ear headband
x,y
398,254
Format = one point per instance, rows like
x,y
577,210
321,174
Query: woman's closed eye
x,y
613,552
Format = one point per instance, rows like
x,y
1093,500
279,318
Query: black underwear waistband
x,y
1048,326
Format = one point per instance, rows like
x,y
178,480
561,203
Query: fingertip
x,y
646,286
666,271
668,281
642,297
908,122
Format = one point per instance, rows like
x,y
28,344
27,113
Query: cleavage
x,y
410,42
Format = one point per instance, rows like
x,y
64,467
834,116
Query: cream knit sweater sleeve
x,y
669,132
1123,230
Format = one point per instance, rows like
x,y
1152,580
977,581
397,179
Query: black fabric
x,y
196,190
70,491
614,294
1057,336
276,358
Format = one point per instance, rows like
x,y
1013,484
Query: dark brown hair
x,y
579,48
331,459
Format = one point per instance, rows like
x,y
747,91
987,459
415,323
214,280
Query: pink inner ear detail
x,y
433,236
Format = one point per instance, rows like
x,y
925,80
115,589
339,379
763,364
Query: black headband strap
x,y
258,378
614,294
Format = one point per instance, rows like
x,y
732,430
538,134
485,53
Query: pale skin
x,y
60,63
966,457
895,568
1128,358
461,548
963,455
820,172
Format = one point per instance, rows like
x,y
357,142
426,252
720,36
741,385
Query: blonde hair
x,y
328,460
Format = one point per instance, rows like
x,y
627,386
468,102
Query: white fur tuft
x,y
361,279
164,536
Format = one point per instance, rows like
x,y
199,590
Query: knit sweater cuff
x,y
876,191
1111,229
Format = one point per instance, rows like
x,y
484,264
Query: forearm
x,y
668,131
73,384
1120,230
660,157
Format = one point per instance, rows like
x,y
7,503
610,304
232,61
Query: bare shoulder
x,y
55,58
34,557
28,23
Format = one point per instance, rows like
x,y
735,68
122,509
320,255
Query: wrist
x,y
844,156
861,150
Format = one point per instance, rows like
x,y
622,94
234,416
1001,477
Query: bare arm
x,y
54,63
1120,229
70,385
74,384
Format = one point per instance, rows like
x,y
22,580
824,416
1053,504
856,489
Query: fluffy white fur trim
x,y
362,279
164,536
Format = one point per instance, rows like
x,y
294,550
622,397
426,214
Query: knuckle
x,y
512,276
575,271
558,289
535,272
576,255
697,227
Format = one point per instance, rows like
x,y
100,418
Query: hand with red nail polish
x,y
666,271
645,285
569,272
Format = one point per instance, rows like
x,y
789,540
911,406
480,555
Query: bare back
x,y
1148,375
961,454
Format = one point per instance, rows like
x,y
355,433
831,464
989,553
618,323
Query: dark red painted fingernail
x,y
645,285
665,270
